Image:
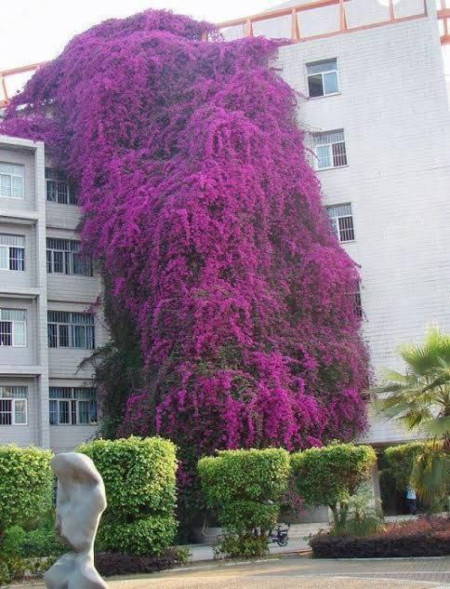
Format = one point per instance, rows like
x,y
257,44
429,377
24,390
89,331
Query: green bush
x,y
331,476
26,483
400,460
139,477
246,487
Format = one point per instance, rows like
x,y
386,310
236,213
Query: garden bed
x,y
423,537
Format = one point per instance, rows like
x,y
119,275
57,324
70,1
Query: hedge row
x,y
415,538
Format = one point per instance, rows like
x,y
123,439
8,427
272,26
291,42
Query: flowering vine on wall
x,y
200,205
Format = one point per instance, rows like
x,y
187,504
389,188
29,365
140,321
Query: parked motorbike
x,y
279,535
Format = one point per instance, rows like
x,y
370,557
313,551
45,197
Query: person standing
x,y
411,500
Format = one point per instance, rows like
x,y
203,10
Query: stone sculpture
x,y
79,504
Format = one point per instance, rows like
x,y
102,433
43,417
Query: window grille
x,y
12,180
13,330
72,406
71,330
341,219
64,257
13,405
12,252
330,150
59,189
322,78
357,302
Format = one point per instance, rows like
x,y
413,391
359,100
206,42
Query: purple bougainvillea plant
x,y
200,205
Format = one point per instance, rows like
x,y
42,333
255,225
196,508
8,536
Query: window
x,y
330,149
12,252
71,330
13,328
342,221
59,188
12,180
64,257
322,78
357,302
13,405
72,406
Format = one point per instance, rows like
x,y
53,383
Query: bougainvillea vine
x,y
199,203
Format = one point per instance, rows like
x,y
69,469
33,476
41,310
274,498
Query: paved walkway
x,y
304,572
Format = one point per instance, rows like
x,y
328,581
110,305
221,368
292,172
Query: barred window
x,y
357,302
341,219
13,328
322,78
59,189
71,330
72,406
64,257
330,150
13,405
12,252
12,180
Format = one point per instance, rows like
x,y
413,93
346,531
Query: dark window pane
x,y
53,412
58,262
339,155
5,333
52,331
346,231
315,85
64,412
5,412
63,336
17,258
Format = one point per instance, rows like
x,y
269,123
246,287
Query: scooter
x,y
280,536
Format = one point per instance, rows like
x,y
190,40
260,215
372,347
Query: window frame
x,y
73,405
58,331
11,176
14,334
335,222
9,257
331,154
58,178
322,74
71,258
14,400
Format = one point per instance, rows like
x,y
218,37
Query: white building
x,y
375,108
48,319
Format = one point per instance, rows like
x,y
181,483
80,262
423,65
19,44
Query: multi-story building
x,y
374,106
49,321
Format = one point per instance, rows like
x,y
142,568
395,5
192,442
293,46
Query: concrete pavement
x,y
295,572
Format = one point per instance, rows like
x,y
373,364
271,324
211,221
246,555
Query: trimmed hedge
x,y
331,475
109,564
246,487
139,477
26,483
413,538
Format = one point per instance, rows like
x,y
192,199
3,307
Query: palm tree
x,y
420,400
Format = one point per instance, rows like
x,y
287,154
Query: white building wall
x,y
35,365
393,108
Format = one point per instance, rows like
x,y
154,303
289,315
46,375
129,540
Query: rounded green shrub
x,y
331,475
141,537
26,483
401,460
246,488
139,476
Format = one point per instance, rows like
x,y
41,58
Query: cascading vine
x,y
200,205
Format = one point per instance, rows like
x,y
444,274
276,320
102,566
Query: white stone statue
x,y
80,503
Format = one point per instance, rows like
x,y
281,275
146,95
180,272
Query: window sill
x,y
74,425
332,168
324,96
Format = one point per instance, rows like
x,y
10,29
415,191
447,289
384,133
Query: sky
x,y
32,31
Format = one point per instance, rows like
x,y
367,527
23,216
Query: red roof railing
x,y
294,13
